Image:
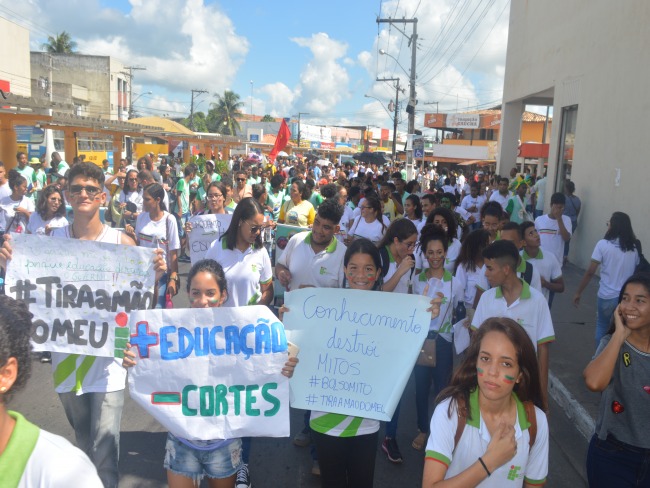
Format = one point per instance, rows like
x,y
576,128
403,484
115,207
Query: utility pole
x,y
299,115
130,75
198,92
410,108
395,117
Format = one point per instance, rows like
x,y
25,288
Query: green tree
x,y
200,122
62,44
222,117
268,118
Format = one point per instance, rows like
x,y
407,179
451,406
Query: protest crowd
x,y
486,251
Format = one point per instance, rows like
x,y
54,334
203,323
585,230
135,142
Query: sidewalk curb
x,y
576,412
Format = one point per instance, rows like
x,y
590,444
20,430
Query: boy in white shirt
x,y
546,263
513,298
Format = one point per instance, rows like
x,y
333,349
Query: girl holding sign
x,y
188,461
489,427
435,279
346,445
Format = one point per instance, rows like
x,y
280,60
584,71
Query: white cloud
x,y
323,81
280,99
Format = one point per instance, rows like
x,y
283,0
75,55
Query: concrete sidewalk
x,y
573,349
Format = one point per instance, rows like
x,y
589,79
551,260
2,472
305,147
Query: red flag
x,y
281,140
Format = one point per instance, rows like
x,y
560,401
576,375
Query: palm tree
x,y
223,113
61,43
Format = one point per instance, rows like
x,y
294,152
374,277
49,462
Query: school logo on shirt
x,y
323,270
521,322
254,267
513,474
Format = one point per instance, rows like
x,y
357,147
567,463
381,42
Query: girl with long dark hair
x,y
496,394
617,255
50,212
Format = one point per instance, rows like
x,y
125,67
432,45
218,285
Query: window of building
x,y
567,143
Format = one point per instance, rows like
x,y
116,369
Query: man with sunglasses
x,y
91,388
242,189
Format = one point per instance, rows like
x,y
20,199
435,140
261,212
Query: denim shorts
x,y
196,464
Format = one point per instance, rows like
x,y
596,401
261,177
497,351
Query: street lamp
x,y
384,53
251,99
382,105
135,100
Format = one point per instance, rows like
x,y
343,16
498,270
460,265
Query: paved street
x,y
278,463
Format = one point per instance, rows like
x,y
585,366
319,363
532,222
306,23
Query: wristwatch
x,y
174,277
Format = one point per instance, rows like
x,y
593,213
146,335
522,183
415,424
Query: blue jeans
x,y
95,418
604,312
440,375
391,427
162,290
613,463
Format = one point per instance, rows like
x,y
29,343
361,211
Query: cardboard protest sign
x,y
357,348
283,233
205,230
79,291
211,373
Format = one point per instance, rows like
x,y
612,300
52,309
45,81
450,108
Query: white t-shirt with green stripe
x,y
339,425
88,374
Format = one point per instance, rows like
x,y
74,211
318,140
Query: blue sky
x,y
316,57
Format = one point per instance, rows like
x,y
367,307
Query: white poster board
x,y
211,373
205,230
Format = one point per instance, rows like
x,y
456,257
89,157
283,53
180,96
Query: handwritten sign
x,y
205,230
283,233
211,373
357,348
80,291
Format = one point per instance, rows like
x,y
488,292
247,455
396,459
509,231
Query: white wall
x,y
14,62
593,53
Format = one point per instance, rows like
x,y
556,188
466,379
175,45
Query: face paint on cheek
x,y
479,371
508,379
212,301
371,276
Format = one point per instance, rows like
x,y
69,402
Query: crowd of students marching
x,y
488,257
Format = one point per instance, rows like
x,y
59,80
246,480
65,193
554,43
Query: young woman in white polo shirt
x,y
433,280
495,448
617,256
444,218
245,261
370,224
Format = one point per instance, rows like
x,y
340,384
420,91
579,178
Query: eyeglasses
x,y
254,228
91,191
133,179
55,200
214,196
409,245
241,179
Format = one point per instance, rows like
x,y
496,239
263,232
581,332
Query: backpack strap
x,y
532,418
461,411
528,274
385,261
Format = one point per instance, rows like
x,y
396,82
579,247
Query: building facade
x,y
15,74
584,58
98,86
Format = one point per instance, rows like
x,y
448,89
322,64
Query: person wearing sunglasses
x,y
50,212
131,197
91,392
242,190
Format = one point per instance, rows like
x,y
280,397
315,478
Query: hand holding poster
x,y
283,233
216,376
205,230
357,348
79,290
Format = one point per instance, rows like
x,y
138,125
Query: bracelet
x,y
484,467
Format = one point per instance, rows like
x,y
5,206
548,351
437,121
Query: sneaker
x,y
302,439
315,468
243,479
183,258
389,446
46,357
